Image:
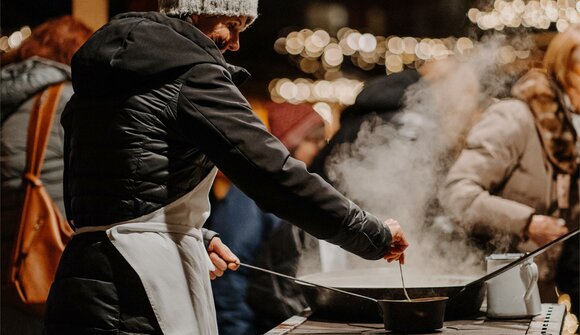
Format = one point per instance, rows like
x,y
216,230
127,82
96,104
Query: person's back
x,y
135,138
41,61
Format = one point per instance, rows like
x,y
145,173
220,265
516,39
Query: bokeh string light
x,y
317,52
13,41
321,55
340,91
531,14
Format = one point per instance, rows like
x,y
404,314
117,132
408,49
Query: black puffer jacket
x,y
155,107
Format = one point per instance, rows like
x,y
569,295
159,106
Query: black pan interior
x,y
331,305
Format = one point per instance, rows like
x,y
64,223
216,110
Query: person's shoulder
x,y
506,122
511,110
35,64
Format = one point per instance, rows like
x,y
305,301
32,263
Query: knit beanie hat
x,y
211,7
292,123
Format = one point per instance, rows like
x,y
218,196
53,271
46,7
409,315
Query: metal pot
x,y
385,284
416,316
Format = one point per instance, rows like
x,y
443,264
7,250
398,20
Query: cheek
x,y
224,32
220,38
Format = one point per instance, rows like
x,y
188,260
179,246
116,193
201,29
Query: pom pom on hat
x,y
211,7
291,123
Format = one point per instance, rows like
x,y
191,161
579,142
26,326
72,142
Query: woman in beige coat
x,y
515,185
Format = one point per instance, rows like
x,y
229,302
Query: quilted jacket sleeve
x,y
214,116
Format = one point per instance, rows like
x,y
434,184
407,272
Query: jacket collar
x,y
192,33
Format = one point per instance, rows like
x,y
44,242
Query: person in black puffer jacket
x,y
155,110
41,61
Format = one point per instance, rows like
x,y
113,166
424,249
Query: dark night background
x,y
418,18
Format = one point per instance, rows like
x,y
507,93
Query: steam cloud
x,y
396,172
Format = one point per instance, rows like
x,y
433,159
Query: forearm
x,y
227,131
475,208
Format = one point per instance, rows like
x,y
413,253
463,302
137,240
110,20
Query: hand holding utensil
x,y
544,229
398,243
222,258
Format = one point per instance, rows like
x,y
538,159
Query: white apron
x,y
166,250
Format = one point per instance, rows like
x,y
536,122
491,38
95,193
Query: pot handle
x,y
529,276
516,262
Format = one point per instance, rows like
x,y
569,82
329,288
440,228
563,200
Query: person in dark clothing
x,y
380,101
244,228
156,109
291,251
274,299
42,60
568,273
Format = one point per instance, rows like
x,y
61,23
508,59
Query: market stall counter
x,y
549,322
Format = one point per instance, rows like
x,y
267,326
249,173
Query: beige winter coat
x,y
501,178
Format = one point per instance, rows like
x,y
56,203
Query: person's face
x,y
223,30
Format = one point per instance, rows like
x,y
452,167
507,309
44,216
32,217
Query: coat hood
x,y
140,49
21,81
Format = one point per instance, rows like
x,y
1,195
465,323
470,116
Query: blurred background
x,y
319,54
320,51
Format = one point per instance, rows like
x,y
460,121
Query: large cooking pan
x,y
385,284
466,293
407,316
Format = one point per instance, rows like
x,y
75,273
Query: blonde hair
x,y
559,54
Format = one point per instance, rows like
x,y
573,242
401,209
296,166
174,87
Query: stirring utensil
x,y
423,315
403,282
307,282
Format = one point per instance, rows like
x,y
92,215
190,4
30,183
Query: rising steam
x,y
396,172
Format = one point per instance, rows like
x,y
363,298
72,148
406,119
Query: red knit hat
x,y
291,123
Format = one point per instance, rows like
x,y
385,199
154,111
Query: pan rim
x,y
376,287
415,300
